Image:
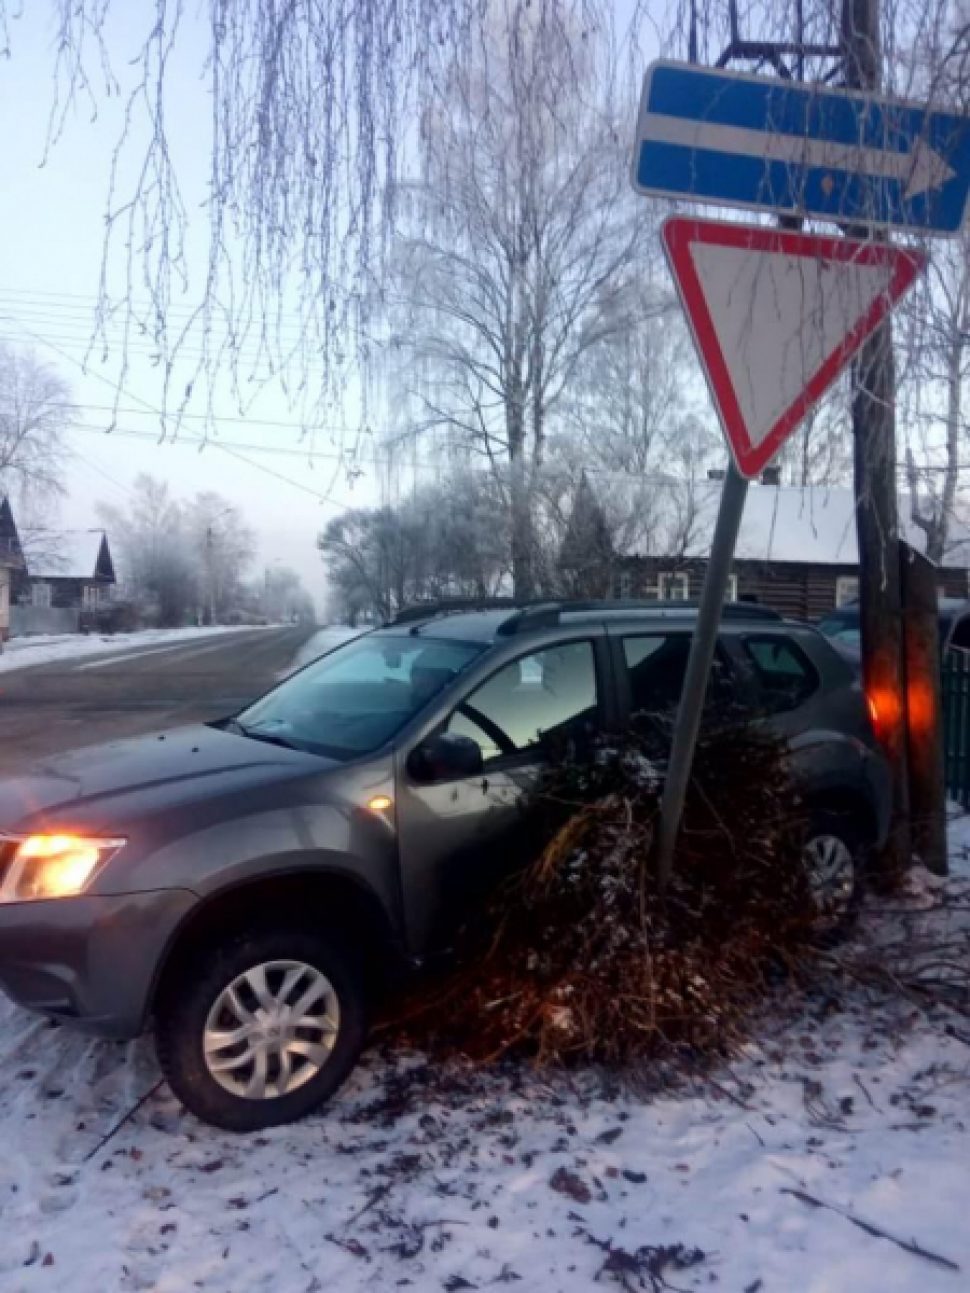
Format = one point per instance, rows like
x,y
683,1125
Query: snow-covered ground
x,y
443,1178
24,653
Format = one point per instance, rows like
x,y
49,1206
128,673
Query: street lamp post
x,y
210,564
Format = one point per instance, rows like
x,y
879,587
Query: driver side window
x,y
548,694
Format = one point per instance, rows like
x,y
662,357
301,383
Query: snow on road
x,y
444,1178
24,653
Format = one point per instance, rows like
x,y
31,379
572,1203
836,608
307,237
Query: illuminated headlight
x,y
52,866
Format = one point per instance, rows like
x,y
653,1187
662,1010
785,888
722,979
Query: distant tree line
x,y
185,561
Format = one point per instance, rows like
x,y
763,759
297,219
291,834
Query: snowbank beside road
x,y
834,1155
24,653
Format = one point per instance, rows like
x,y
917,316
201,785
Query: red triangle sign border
x,y
680,233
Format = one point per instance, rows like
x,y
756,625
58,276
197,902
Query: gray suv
x,y
241,883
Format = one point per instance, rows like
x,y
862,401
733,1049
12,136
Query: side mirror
x,y
445,757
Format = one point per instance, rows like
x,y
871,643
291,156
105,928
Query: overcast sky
x,y
51,227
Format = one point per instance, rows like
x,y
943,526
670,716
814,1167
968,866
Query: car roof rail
x,y
547,614
418,611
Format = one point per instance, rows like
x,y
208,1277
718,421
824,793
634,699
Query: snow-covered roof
x,y
661,516
70,554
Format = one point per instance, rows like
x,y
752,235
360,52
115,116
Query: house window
x,y
674,588
626,584
40,596
89,597
846,589
731,595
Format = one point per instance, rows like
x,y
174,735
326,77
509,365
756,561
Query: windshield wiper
x,y
271,738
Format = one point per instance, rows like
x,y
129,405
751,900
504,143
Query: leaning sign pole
x,y
777,315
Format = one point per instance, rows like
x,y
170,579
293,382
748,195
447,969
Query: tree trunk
x,y
924,708
874,433
523,573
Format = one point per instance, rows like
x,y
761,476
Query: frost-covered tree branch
x,y
313,107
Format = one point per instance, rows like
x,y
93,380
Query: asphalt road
x,y
48,708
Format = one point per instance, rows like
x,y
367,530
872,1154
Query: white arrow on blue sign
x,y
705,135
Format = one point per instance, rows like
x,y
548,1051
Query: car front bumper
x,y
91,961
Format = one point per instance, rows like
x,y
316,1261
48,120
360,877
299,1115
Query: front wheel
x,y
834,858
264,1030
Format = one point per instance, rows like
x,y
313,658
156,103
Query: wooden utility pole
x,y
924,709
874,437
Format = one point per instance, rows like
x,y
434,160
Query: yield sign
x,y
776,316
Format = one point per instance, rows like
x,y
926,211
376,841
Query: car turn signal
x,y
54,866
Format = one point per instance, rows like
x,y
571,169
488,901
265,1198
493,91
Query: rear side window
x,y
656,664
785,675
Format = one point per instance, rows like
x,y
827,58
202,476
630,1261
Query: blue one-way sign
x,y
736,140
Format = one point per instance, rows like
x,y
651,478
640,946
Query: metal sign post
x,y
776,315
699,664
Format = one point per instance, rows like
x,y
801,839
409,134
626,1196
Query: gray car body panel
x,y
89,960
205,811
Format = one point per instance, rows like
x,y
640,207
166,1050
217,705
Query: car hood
x,y
106,786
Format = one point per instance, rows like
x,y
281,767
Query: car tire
x,y
835,855
264,1030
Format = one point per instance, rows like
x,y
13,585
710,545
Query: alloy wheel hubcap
x,y
831,872
271,1030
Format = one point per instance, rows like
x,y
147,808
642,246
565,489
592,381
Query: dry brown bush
x,y
582,957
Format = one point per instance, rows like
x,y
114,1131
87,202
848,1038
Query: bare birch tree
x,y
935,325
519,236
35,410
633,390
447,540
936,340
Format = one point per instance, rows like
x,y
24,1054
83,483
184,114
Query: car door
x,y
458,836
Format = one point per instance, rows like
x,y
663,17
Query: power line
x,y
302,427
248,347
137,346
99,470
269,471
194,440
197,442
62,308
41,298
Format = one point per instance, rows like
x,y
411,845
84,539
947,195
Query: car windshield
x,y
356,698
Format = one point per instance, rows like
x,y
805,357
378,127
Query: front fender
x,y
224,855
